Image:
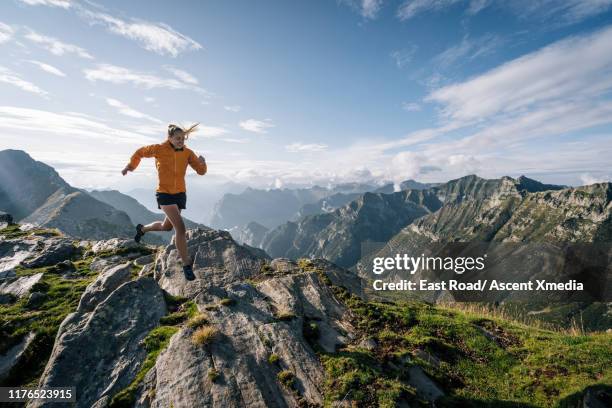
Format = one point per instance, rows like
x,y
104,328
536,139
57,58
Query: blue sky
x,y
302,92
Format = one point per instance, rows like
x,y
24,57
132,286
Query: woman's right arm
x,y
146,151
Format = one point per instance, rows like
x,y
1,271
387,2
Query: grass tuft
x,y
204,335
287,378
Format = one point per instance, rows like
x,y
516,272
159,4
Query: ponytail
x,y
174,128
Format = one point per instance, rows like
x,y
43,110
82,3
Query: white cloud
x,y
367,8
410,8
305,147
121,75
257,126
48,68
12,78
182,75
370,8
542,76
66,124
411,106
53,3
588,179
56,46
149,99
477,5
562,12
404,56
6,32
157,37
468,49
234,108
124,109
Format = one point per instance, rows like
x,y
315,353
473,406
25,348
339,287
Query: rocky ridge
x,y
250,331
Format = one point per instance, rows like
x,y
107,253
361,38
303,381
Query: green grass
x,y
273,359
155,342
519,364
13,231
17,320
213,374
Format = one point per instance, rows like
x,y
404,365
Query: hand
x,y
202,159
125,170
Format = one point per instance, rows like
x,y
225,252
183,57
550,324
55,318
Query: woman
x,y
171,160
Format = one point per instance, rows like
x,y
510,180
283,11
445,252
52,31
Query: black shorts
x,y
179,199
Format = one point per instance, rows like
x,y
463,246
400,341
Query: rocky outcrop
x,y
55,250
217,260
10,359
13,252
20,286
103,286
99,351
265,316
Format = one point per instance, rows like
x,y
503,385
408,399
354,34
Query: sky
x,y
312,92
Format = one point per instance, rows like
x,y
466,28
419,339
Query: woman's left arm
x,y
197,163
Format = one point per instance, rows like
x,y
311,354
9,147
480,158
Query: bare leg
x,y
174,215
164,225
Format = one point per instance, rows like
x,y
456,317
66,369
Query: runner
x,y
171,160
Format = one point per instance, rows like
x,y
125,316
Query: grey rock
x,y
36,299
6,218
143,260
20,286
103,286
218,260
13,252
248,334
429,358
56,250
114,244
425,386
100,351
4,275
283,265
9,359
368,343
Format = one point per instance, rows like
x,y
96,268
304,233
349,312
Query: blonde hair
x,y
175,128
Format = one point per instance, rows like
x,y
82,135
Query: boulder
x,y
114,244
20,286
5,219
9,359
103,286
100,352
55,250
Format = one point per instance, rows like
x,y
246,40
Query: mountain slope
x,y
338,235
26,184
36,194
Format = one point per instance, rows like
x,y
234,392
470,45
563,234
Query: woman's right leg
x,y
174,215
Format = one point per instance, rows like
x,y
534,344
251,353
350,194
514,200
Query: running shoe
x,y
188,271
139,233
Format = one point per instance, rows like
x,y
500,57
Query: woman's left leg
x,y
164,225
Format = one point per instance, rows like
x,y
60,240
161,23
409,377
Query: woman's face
x,y
177,139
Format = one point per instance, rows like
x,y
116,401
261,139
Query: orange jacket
x,y
171,165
